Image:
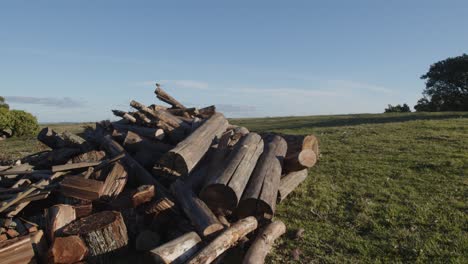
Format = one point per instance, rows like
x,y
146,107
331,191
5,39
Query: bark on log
x,y
223,192
160,115
57,217
81,188
17,250
124,115
225,241
56,157
134,143
259,197
70,249
263,243
303,152
165,97
102,233
90,156
181,160
55,141
200,215
290,182
179,250
207,112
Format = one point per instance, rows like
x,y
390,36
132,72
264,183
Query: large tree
x,y
446,86
3,104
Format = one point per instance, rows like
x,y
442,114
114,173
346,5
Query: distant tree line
x,y
397,108
446,87
16,122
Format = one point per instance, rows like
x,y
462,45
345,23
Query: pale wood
x,y
160,115
290,182
102,233
58,216
134,143
200,215
17,250
148,132
224,241
264,242
115,178
223,191
207,112
39,243
143,194
124,115
74,166
165,97
259,197
81,188
182,159
300,160
179,250
70,249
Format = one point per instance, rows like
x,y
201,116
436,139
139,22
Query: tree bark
x,y
263,243
259,197
207,112
134,143
289,182
181,160
124,115
223,191
179,250
102,233
225,241
90,156
161,115
148,132
58,216
165,97
55,141
200,215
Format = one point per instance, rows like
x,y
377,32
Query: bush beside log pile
x,y
179,183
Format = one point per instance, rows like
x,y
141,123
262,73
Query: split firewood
x,y
12,233
83,209
55,141
74,166
182,159
179,250
225,240
58,216
115,178
200,215
17,250
39,244
143,194
165,97
259,197
81,188
90,156
102,233
124,115
223,192
290,182
70,249
264,242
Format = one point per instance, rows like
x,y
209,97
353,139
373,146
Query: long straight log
x,y
223,192
200,215
290,182
225,240
181,160
263,243
151,133
165,97
55,141
124,115
303,152
160,115
17,250
259,197
134,142
179,250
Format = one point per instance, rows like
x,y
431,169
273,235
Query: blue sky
x,y
77,60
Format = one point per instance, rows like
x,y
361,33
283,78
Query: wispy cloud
x,y
188,84
353,85
46,101
287,91
235,108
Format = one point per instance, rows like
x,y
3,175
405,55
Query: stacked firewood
x,y
180,184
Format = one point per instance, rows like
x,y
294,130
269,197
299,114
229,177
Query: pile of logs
x,y
179,184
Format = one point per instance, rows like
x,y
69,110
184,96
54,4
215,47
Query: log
x,y
200,215
223,192
90,156
289,182
238,133
303,152
259,197
102,233
70,249
56,141
17,250
55,157
83,209
81,188
39,244
124,115
181,160
115,178
165,97
207,112
148,132
134,143
263,243
58,216
177,251
160,115
143,194
74,166
225,241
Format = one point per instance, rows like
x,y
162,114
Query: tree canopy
x,y
446,86
3,105
398,109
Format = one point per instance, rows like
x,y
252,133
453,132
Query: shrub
x,y
23,123
4,119
398,109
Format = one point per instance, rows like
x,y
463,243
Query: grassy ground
x,y
388,188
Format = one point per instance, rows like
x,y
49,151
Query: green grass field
x,y
387,188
